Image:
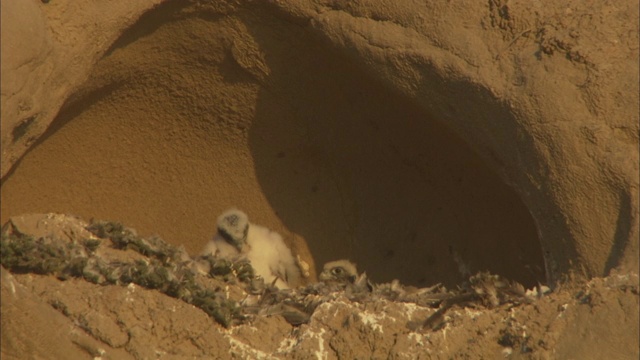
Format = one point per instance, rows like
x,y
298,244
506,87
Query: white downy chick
x,y
269,256
230,239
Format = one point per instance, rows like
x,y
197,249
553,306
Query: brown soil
x,y
595,320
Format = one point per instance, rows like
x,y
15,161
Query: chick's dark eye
x,y
337,271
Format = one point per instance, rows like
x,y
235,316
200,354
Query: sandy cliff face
x,y
438,140
425,142
112,294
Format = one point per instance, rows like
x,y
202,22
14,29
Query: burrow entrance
x,y
190,113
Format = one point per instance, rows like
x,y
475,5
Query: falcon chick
x,y
341,271
269,256
231,236
344,272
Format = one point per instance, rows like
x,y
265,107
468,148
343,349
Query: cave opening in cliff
x,y
200,113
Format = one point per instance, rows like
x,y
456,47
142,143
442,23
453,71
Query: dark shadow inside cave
x,y
365,174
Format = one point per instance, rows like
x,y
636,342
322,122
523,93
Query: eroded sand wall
x,y
374,132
